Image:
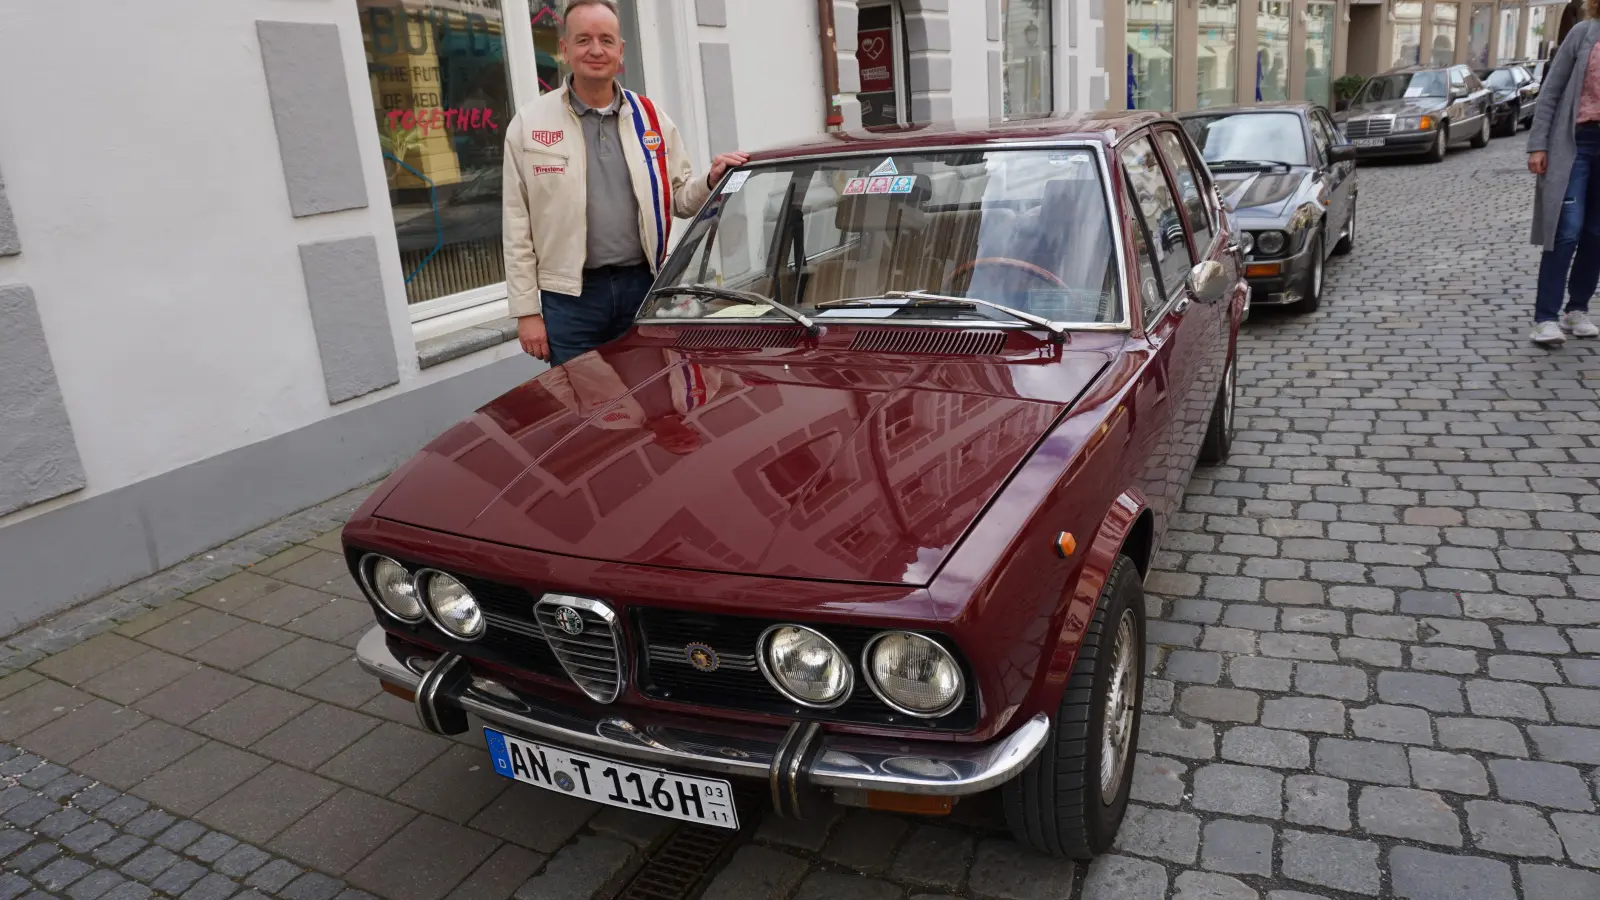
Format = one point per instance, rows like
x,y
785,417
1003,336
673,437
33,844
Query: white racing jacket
x,y
546,195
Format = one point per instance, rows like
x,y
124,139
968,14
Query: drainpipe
x,y
830,65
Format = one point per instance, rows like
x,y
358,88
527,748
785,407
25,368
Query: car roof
x,y
1303,106
1105,126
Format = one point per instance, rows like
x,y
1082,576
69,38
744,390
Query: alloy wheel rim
x,y
1227,398
1116,732
1316,270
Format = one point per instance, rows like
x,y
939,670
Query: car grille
x,y
1377,126
592,657
737,683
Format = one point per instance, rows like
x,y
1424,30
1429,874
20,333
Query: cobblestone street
x,y
1377,671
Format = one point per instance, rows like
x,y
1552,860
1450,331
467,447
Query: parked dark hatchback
x,y
1417,111
861,507
1290,178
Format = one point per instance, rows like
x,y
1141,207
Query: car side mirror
x,y
1208,281
1341,153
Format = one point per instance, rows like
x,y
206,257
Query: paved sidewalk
x,y
1377,659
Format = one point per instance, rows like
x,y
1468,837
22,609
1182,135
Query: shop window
x,y
1151,28
1272,50
1407,48
1510,22
880,56
1319,52
1026,29
1478,35
1445,16
1219,41
442,98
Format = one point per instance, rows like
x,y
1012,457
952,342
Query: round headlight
x,y
805,666
391,585
1247,242
1271,242
913,674
453,606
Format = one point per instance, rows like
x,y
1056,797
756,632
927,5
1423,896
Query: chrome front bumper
x,y
790,761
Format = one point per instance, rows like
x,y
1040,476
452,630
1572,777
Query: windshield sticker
x,y
903,184
736,182
855,186
879,185
886,167
741,311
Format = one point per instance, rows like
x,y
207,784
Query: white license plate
x,y
705,801
1368,142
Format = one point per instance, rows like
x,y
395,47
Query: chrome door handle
x,y
1181,306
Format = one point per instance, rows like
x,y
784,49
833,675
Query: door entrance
x,y
881,54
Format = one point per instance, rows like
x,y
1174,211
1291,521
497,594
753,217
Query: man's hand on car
x,y
722,164
530,332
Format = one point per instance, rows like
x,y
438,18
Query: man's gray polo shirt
x,y
613,238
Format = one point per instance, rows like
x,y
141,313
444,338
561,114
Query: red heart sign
x,y
873,47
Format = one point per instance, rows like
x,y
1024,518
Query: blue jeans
x,y
1577,234
602,313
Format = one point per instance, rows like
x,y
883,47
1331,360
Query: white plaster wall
x,y
146,182
969,59
777,70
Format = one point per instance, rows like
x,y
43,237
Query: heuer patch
x,y
548,138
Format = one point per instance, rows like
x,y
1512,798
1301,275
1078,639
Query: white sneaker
x,y
1578,323
1548,333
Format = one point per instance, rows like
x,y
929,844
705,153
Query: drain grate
x,y
680,865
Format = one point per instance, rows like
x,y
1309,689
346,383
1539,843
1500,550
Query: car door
x,y
1340,176
1172,324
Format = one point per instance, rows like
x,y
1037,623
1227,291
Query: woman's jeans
x,y
603,312
1578,233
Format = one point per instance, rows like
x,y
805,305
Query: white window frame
x,y
464,309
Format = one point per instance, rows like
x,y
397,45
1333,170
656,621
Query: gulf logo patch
x,y
652,141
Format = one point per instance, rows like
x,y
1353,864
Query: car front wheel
x,y
1481,139
1347,241
1219,433
1441,145
1070,800
1311,288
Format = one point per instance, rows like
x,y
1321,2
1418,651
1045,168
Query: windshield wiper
x,y
923,298
722,293
1246,164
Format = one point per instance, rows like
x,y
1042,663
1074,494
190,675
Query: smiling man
x,y
594,175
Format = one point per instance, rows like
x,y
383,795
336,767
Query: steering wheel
x,y
1008,262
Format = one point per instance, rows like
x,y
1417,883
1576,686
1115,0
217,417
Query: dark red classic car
x,y
860,509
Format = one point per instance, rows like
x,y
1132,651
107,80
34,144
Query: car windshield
x,y
1501,80
1404,87
1026,229
1270,137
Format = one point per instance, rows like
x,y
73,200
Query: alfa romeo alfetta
x,y
860,509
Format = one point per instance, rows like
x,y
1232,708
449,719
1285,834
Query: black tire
x,y
1311,287
1057,805
1513,119
1481,139
1441,145
1219,432
1347,241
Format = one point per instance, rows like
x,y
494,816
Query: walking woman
x,y
1564,151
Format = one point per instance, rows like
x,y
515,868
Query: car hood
x,y
805,464
1260,194
1416,106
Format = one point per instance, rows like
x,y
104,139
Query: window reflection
x,y
1219,42
1150,34
1407,49
1444,33
1272,50
1319,52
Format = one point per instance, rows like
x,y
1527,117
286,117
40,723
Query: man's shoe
x,y
1549,334
1577,322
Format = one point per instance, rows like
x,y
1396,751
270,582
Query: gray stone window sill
x,y
457,344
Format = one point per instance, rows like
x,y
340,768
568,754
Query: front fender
x,y
1116,527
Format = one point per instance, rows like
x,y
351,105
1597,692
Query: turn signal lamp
x,y
1066,544
1425,123
1261,270
915,804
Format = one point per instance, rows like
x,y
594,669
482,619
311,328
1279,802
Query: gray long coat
x,y
1555,127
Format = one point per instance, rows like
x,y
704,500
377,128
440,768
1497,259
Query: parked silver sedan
x,y
1418,111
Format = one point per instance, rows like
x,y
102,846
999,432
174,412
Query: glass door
x,y
1478,35
1510,22
1272,50
878,53
1218,42
1151,28
1407,47
1445,16
1319,51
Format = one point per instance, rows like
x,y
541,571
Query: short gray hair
x,y
575,5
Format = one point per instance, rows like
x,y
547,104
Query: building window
x,y
1027,78
1272,50
878,54
1478,35
1319,51
442,98
1151,27
1407,48
1510,22
1445,16
1219,42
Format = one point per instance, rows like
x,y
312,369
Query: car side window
x,y
1458,77
1189,187
1159,214
1473,84
1151,295
1335,136
1321,137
